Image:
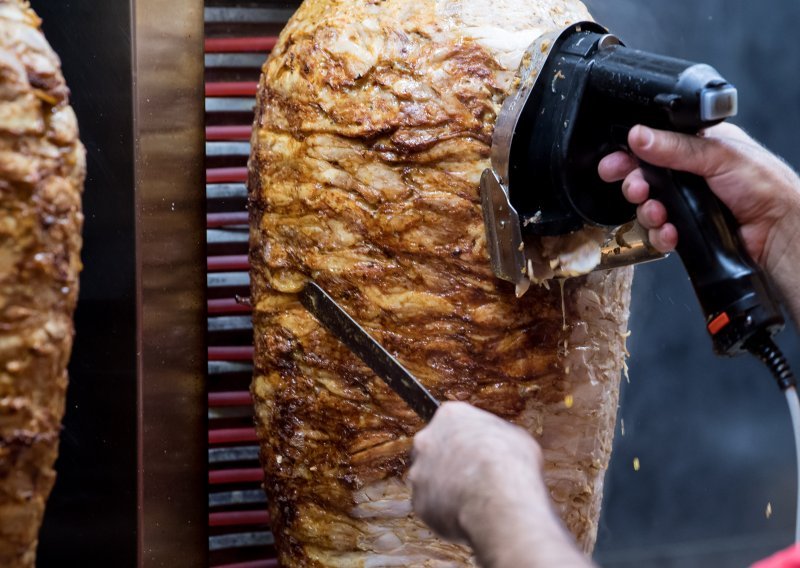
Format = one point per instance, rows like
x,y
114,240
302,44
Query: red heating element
x,y
238,40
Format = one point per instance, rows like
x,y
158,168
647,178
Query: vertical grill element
x,y
239,35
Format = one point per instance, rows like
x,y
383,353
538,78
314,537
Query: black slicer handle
x,y
733,291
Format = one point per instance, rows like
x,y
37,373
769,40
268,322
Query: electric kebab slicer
x,y
579,93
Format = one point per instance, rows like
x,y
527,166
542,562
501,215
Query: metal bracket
x,y
503,233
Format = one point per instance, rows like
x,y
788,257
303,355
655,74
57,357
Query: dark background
x,y
712,435
90,518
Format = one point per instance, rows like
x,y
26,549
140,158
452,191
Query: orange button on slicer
x,y
718,323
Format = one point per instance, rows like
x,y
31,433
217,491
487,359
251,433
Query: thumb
x,y
705,157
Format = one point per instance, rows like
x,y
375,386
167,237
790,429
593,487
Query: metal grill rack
x,y
239,35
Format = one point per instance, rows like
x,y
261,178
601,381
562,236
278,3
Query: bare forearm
x,y
784,256
789,287
522,534
521,547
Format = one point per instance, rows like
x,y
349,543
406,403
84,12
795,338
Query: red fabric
x,y
789,558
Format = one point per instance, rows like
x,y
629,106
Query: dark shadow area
x,y
91,515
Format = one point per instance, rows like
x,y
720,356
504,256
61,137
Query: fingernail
x,y
646,136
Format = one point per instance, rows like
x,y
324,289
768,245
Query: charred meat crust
x,y
42,167
373,124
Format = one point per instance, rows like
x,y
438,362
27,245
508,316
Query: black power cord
x,y
762,346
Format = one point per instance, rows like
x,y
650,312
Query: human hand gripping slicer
x,y
579,93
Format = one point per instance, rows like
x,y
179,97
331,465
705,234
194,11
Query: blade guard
x,y
510,261
501,220
503,234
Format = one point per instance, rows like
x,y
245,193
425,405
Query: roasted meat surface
x,y
42,167
373,125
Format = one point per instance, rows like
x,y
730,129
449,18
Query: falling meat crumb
x,y
622,426
768,512
636,464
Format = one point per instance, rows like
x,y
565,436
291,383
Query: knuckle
x,y
447,409
684,146
655,239
660,238
652,209
669,142
669,235
731,150
456,411
413,475
641,215
724,130
535,451
719,154
658,212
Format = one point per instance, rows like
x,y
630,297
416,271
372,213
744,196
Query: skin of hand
x,y
761,190
477,479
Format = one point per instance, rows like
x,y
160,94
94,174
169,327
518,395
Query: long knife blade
x,y
372,353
